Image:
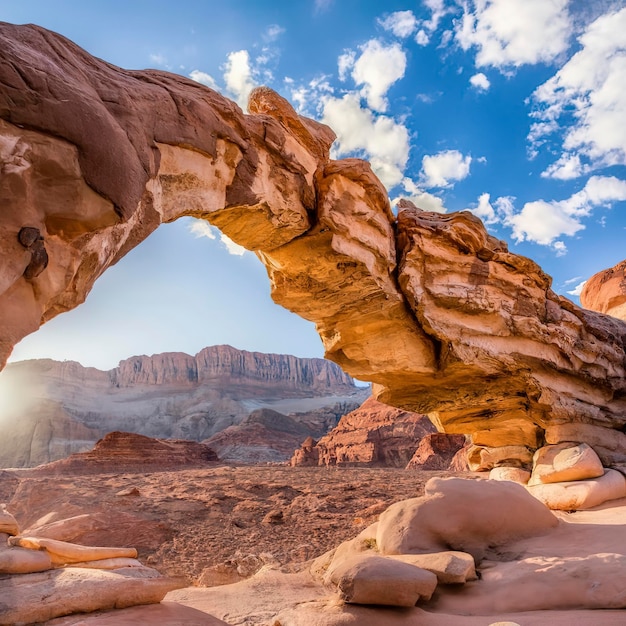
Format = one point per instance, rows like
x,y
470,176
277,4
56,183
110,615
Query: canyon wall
x,y
606,291
51,409
429,307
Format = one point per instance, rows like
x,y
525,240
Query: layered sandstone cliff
x,y
52,409
440,315
606,292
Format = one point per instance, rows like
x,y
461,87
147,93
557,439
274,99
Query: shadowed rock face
x,y
429,307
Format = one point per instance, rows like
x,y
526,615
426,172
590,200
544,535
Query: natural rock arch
x,y
429,307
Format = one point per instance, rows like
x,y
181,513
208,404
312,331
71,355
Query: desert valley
x,y
477,475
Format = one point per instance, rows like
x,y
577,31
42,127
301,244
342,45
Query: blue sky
x,y
514,109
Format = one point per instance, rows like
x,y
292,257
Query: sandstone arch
x,y
429,307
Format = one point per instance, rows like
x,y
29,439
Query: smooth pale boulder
x,y
15,560
609,443
462,514
369,579
449,567
581,494
62,552
565,462
514,474
34,598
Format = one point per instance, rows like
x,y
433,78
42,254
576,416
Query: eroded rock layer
x,y
429,307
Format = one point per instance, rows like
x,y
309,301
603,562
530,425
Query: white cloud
x,y
400,23
322,5
203,78
480,81
544,221
378,68
238,76
578,289
345,62
514,32
379,138
158,59
586,98
420,198
560,248
201,228
485,210
308,98
422,38
439,170
273,32
566,168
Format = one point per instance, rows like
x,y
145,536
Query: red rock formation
x,y
128,452
436,451
440,315
606,292
373,435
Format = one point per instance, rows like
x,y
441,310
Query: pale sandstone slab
x,y
565,462
62,552
376,580
581,494
450,567
23,561
514,474
462,514
32,598
113,563
608,443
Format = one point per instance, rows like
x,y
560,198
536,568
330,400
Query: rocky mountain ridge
x,y
58,408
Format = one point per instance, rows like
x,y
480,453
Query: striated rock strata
x,y
440,315
59,408
128,452
606,292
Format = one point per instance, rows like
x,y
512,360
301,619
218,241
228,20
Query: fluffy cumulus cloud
x,y
376,69
204,78
200,228
480,82
378,138
578,289
420,198
485,210
543,221
511,33
586,100
400,23
444,168
238,76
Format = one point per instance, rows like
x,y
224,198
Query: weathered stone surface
x,y
565,462
461,514
375,434
370,579
34,598
481,459
429,307
16,560
606,292
581,494
8,523
514,474
436,451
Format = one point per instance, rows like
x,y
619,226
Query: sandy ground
x,y
206,518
